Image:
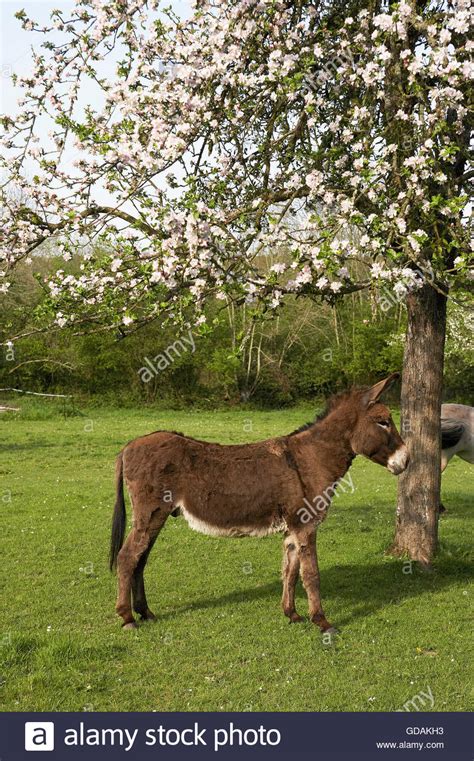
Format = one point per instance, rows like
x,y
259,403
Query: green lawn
x,y
221,642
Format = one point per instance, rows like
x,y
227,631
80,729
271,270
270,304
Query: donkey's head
x,y
375,435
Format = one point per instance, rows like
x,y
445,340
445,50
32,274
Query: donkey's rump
x,y
457,431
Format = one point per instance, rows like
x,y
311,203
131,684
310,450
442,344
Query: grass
x,y
221,642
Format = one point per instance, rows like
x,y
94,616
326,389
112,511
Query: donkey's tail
x,y
119,517
451,432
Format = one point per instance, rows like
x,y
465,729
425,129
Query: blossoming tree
x,y
255,150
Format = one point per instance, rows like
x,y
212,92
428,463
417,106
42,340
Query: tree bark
x,y
416,532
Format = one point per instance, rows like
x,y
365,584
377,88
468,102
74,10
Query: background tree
x,y
333,135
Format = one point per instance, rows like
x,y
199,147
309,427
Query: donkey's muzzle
x,y
398,461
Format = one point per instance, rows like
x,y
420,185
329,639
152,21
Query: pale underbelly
x,y
204,527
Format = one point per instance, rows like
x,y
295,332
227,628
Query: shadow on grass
x,y
33,444
361,589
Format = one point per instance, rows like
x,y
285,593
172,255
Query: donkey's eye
x,y
383,423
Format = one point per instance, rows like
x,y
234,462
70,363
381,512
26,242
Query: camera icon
x,y
39,735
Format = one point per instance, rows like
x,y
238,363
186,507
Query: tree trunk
x,y
419,487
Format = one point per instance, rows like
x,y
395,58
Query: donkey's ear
x,y
375,392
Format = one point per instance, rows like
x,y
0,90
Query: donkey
x,y
457,435
249,490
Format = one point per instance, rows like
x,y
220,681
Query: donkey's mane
x,y
332,403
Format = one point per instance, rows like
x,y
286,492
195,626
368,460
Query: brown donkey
x,y
283,484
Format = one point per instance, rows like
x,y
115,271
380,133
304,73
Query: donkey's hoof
x,y
130,625
295,618
332,630
149,616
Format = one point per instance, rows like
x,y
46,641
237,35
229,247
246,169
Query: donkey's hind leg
x,y
140,604
290,572
133,547
136,544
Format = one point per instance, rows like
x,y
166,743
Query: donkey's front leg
x,y
306,545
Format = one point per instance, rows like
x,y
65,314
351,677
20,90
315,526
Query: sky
x,y
15,55
15,58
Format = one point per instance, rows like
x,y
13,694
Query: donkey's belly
x,y
272,525
233,493
467,454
